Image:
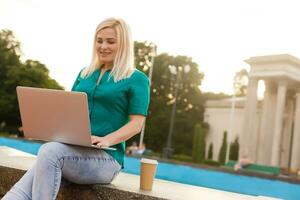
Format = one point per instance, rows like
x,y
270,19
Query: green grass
x,y
212,163
182,157
5,134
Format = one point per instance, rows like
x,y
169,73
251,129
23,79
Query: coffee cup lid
x,y
149,161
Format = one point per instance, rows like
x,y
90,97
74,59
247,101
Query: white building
x,y
268,130
224,115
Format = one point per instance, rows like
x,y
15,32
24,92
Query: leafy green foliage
x,y
234,150
240,82
13,72
189,103
199,144
212,163
223,149
210,151
182,157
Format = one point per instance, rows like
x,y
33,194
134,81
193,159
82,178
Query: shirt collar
x,y
100,68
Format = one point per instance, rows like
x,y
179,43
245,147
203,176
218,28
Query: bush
x,y
199,144
212,163
234,150
223,149
210,151
5,134
182,157
12,130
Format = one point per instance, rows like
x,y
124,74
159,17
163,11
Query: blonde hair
x,y
124,60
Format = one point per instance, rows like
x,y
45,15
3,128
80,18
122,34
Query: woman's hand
x,y
100,141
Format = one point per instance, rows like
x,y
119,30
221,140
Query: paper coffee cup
x,y
147,173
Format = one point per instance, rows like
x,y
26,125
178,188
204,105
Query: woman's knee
x,y
51,150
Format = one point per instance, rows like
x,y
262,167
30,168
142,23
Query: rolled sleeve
x,y
76,81
139,95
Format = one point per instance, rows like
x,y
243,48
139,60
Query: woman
x,y
118,98
243,162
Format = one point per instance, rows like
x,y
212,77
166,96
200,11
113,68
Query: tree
x,y
234,149
199,144
241,79
210,151
223,149
189,106
13,72
9,53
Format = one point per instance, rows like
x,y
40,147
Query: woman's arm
x,y
130,129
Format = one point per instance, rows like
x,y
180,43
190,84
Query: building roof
x,y
239,102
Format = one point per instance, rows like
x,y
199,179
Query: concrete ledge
x,y
14,163
9,176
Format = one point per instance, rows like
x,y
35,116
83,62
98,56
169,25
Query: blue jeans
x,y
81,165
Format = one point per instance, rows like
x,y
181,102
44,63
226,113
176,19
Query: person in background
x,y
141,149
243,162
132,149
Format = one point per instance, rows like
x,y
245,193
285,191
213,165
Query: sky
x,y
219,35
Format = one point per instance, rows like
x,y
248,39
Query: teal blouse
x,y
110,103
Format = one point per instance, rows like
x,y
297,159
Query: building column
x,y
287,133
295,158
267,125
249,120
280,104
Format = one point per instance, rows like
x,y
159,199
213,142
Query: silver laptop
x,y
55,115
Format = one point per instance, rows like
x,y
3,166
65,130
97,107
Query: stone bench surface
x,y
9,176
13,164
